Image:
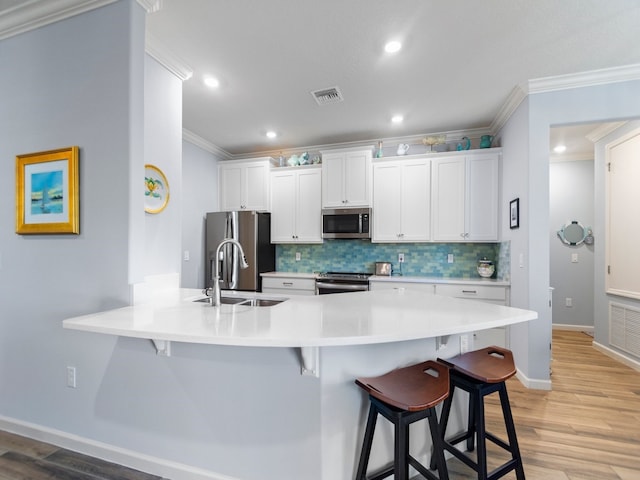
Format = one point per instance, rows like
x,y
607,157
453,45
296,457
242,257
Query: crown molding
x,y
150,6
198,141
166,58
603,76
33,14
603,130
584,79
515,98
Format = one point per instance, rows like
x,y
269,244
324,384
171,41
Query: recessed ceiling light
x,y
211,82
392,46
560,149
271,134
397,119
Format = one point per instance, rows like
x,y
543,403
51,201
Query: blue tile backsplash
x,y
421,259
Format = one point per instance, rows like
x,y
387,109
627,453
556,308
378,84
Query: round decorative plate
x,y
156,189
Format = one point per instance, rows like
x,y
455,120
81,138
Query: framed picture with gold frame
x,y
156,189
47,197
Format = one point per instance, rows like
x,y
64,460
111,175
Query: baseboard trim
x,y
110,453
574,328
534,384
629,362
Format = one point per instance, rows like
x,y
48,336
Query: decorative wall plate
x,y
156,189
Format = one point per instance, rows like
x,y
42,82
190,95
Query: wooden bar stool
x,y
404,396
481,373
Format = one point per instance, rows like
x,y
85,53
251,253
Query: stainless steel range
x,y
341,282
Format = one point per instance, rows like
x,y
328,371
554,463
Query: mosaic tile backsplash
x,y
421,259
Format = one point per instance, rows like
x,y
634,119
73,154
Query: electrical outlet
x,y
186,255
568,302
574,258
401,258
71,377
450,258
298,256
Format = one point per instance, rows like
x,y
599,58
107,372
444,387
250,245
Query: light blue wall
x,y
571,198
200,177
76,82
525,142
602,299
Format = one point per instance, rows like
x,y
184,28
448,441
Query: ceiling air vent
x,y
327,96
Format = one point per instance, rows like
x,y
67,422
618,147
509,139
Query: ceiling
x,y
459,63
459,67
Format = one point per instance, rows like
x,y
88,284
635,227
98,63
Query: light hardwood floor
x,y
587,428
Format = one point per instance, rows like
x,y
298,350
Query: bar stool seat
x,y
404,396
481,373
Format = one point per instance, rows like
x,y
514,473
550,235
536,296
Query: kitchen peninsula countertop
x,y
359,318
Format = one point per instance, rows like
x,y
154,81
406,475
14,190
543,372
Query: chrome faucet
x,y
215,294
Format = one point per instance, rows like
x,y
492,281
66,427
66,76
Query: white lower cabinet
x,y
379,285
289,285
499,295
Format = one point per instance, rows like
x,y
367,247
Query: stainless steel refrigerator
x,y
253,231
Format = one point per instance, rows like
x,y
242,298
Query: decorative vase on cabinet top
x,y
485,141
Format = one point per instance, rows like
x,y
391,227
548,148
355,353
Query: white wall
x,y
200,177
163,148
571,198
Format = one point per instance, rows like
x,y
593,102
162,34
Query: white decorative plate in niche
x,y
156,189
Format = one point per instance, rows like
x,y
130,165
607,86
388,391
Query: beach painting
x,y
47,192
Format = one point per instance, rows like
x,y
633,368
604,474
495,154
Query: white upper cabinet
x,y
401,200
464,196
346,178
295,205
244,184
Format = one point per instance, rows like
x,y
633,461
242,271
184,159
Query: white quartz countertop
x,y
356,318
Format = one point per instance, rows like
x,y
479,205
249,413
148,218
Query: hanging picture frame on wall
x,y
514,213
47,199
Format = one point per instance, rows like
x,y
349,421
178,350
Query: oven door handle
x,y
342,286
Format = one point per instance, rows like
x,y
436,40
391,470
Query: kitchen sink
x,y
262,302
250,302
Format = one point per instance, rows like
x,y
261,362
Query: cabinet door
x,y
357,175
482,198
308,220
256,187
333,180
414,212
230,188
346,179
387,178
283,203
448,199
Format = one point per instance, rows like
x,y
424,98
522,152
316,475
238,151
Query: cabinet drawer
x,y
480,292
287,284
422,287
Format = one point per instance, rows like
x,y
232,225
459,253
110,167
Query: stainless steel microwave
x,y
346,223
